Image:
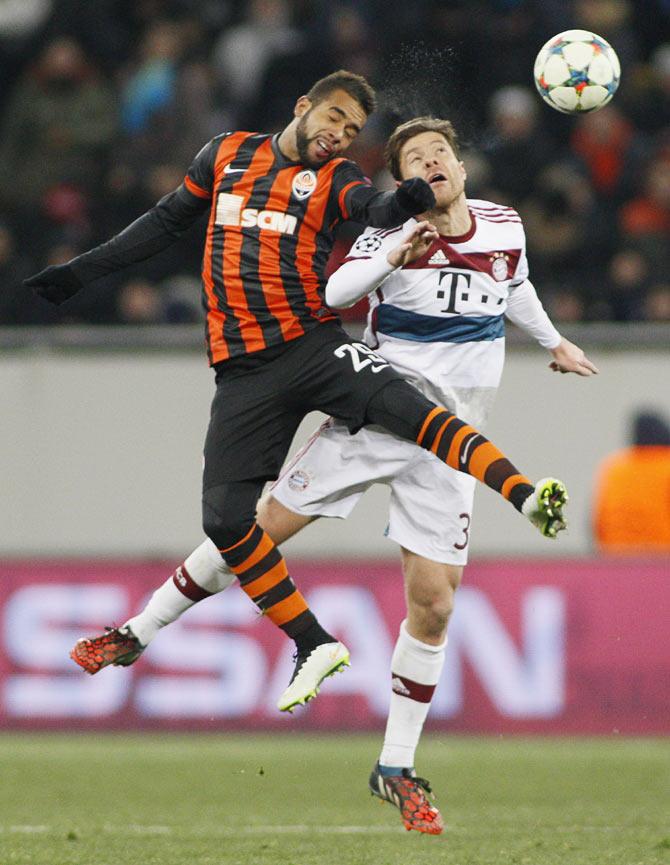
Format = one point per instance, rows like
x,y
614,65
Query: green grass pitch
x,y
303,800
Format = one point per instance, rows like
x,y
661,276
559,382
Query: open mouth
x,y
438,177
323,149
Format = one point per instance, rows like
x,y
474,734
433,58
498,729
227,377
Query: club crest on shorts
x,y
298,480
499,266
304,184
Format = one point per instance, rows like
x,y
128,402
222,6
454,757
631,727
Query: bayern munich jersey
x,y
440,320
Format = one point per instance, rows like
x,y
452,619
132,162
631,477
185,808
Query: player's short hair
x,y
402,134
355,85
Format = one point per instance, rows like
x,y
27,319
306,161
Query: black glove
x,y
55,284
415,195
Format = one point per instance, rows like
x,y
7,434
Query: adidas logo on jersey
x,y
439,258
399,687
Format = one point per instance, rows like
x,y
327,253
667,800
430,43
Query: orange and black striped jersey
x,y
269,236
268,240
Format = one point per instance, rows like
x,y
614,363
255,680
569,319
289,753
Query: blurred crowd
x,y
103,106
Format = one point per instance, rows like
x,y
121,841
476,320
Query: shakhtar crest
x,y
304,184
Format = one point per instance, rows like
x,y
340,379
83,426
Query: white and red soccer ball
x,y
576,72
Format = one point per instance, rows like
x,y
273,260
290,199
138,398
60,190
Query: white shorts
x,y
431,505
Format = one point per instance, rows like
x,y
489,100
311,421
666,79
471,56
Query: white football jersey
x,y
440,320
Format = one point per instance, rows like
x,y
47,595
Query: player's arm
x,y
358,200
525,309
153,232
360,274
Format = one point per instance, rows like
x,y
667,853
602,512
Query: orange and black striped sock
x,y
464,448
263,575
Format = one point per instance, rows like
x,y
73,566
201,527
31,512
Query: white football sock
x,y
204,573
415,671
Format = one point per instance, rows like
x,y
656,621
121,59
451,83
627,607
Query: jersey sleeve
x,y
347,178
159,227
364,268
525,310
522,272
357,199
199,179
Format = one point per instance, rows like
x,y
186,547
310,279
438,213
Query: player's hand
x,y
569,357
56,283
413,245
415,195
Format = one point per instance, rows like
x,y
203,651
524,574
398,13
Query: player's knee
x,y
431,602
225,519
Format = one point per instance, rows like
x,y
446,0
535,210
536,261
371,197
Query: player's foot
x,y
117,646
311,668
408,793
544,506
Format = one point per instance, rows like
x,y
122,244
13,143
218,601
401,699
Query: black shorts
x,y
255,413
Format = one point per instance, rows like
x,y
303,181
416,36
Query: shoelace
x,y
421,782
299,658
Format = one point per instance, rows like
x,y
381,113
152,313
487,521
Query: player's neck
x,y
452,221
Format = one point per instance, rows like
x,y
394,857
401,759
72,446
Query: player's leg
x,y
202,574
253,420
416,666
403,410
250,430
359,387
430,514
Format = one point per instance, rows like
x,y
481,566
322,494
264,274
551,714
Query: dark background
x,y
104,104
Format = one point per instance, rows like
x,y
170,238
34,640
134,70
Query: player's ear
x,y
461,165
302,106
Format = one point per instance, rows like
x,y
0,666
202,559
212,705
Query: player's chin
x,y
317,158
443,193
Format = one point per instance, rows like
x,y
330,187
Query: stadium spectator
x,y
645,220
149,93
566,306
139,302
19,25
628,281
657,304
649,213
647,97
559,223
56,129
517,147
632,492
244,51
183,69
610,149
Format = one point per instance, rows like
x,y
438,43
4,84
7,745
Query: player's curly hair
x,y
355,85
401,135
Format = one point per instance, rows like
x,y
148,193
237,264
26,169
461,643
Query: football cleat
x,y
311,668
408,793
544,506
117,646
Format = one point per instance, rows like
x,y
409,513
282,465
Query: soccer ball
x,y
576,72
